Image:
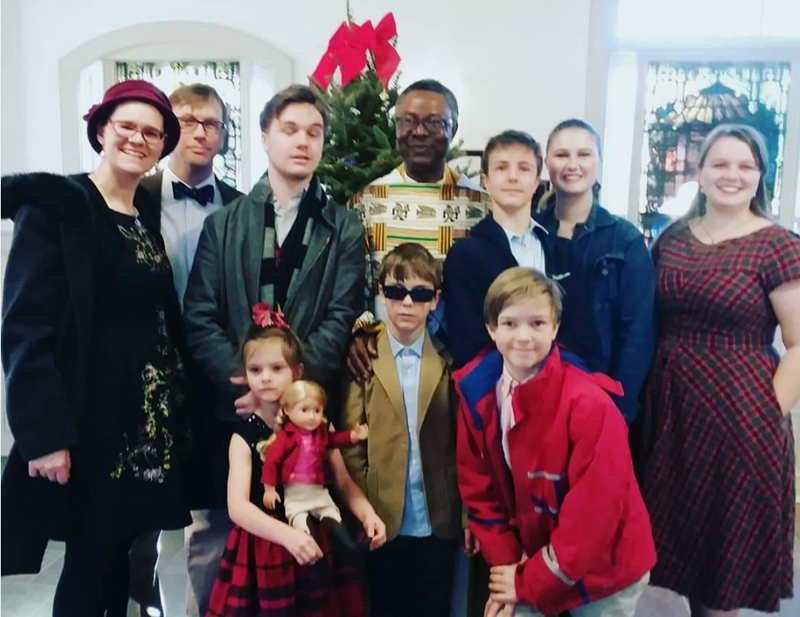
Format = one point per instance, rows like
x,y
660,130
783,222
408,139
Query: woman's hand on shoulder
x,y
54,466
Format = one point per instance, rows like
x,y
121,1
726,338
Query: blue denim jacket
x,y
612,293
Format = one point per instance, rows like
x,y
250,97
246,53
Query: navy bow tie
x,y
202,195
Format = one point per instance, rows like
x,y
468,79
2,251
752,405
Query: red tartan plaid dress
x,y
260,578
719,483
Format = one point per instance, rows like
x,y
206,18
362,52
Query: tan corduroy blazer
x,y
380,465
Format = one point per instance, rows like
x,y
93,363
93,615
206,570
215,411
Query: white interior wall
x,y
511,64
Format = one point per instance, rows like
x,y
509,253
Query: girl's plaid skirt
x,y
261,578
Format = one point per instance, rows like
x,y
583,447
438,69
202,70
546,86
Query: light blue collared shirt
x,y
181,223
527,249
408,361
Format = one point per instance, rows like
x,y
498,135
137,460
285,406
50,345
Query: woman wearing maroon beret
x,y
94,378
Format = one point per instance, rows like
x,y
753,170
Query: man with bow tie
x,y
186,191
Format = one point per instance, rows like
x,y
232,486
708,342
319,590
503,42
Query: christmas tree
x,y
361,136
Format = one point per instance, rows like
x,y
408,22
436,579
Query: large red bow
x,y
348,49
266,317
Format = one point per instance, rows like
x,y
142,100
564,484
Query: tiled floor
x,y
32,595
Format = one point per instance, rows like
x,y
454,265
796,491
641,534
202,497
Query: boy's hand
x,y
472,546
271,497
362,351
501,584
247,404
375,530
359,433
498,609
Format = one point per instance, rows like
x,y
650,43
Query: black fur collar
x,y
61,196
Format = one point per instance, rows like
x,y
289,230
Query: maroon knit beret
x,y
134,90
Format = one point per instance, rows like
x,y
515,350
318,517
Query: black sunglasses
x,y
418,294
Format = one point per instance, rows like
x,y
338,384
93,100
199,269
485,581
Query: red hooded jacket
x,y
570,501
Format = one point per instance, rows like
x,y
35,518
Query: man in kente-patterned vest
x,y
423,200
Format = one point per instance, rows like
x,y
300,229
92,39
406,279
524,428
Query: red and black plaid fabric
x,y
260,578
719,483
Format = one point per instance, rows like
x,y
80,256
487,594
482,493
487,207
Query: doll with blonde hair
x,y
296,460
269,567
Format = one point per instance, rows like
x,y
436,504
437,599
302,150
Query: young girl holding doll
x,y
270,568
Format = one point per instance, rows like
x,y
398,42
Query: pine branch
x,y
361,143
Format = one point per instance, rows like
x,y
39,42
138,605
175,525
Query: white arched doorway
x,y
90,69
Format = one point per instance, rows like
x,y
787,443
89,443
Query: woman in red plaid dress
x,y
719,483
268,568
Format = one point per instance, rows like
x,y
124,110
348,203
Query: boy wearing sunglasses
x,y
407,468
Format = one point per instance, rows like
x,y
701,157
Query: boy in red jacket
x,y
544,467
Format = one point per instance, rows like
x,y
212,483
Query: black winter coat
x,y
47,331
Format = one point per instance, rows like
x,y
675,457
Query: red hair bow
x,y
266,317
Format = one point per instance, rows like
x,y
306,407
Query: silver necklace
x,y
731,234
109,199
710,237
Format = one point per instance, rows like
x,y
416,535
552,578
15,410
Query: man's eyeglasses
x,y
432,125
126,129
210,127
418,294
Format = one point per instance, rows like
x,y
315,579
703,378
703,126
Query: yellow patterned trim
x,y
379,236
445,238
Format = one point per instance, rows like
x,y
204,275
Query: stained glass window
x,y
684,102
225,77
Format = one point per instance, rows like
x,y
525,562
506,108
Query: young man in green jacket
x,y
287,244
